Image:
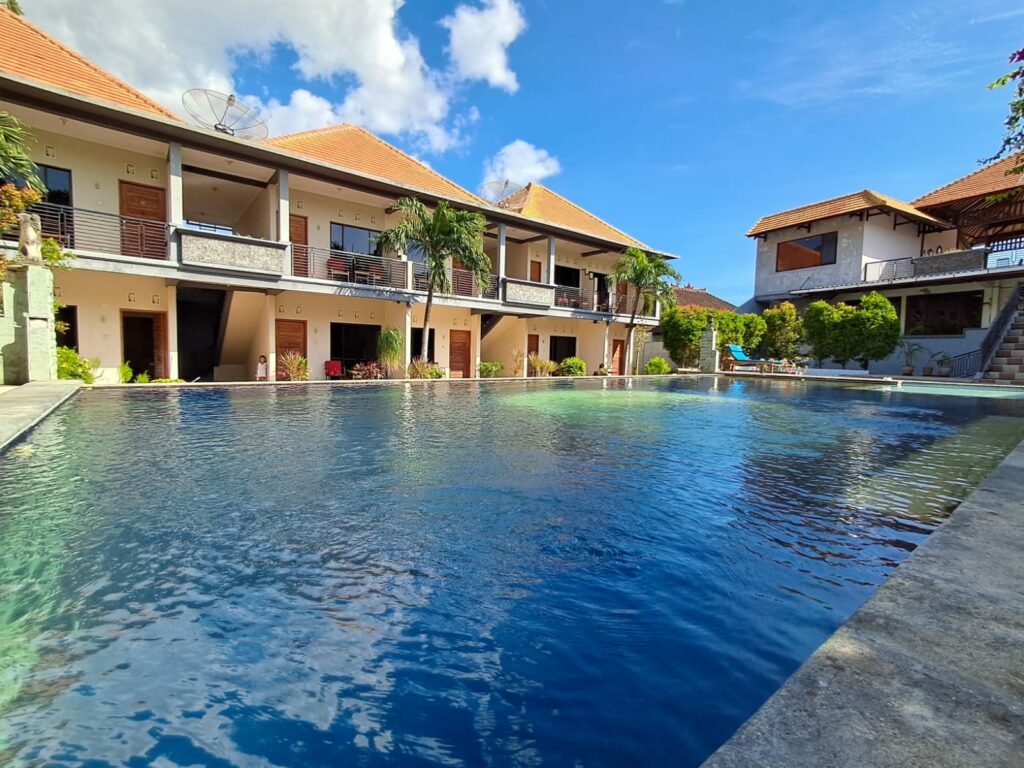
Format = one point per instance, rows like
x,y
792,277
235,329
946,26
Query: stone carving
x,y
231,253
29,245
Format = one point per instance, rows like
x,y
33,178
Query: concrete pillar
x,y
475,340
283,218
502,238
172,331
551,260
175,198
271,338
709,349
407,335
32,356
604,348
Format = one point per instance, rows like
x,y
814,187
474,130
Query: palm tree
x,y
445,235
648,274
15,158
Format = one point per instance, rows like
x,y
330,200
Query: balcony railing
x,y
574,298
937,264
85,230
464,282
356,268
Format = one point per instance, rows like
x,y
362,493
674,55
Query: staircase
x,y
1006,364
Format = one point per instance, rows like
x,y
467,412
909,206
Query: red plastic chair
x,y
333,369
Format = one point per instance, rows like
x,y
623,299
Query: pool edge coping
x,y
903,682
37,411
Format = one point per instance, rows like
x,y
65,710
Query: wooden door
x,y
458,355
298,234
290,336
618,365
532,348
534,271
143,211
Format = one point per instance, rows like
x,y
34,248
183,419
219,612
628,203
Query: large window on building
x,y
810,251
416,344
943,314
354,343
562,347
567,276
353,239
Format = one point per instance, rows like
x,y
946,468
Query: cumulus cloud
x,y
480,38
521,162
357,47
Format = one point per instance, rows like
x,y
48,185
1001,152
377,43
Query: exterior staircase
x,y
1007,365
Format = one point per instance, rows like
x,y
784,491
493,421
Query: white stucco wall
x,y
883,243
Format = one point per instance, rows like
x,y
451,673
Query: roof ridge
x,y
966,176
583,210
88,63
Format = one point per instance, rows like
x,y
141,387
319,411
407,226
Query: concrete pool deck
x,y
25,406
929,672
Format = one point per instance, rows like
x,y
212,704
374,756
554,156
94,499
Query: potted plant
x,y
944,359
911,349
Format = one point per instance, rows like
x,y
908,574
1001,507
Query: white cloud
x,y
522,163
479,41
357,46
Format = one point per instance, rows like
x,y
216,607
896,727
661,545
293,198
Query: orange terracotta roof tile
x,y
538,202
838,206
984,181
32,54
688,296
351,146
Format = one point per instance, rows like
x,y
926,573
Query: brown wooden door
x,y
534,271
618,357
290,336
298,234
144,211
458,355
532,348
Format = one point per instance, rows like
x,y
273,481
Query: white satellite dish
x,y
497,190
224,113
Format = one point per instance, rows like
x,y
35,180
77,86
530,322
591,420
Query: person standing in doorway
x,y
261,368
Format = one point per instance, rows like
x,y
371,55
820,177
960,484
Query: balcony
x,y
84,230
464,283
345,267
568,297
217,247
936,264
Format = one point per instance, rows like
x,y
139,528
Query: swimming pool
x,y
593,572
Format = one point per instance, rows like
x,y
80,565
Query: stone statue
x,y
29,245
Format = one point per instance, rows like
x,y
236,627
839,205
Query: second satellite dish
x,y
224,113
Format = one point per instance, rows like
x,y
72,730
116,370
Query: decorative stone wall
x,y
212,249
954,261
529,293
708,362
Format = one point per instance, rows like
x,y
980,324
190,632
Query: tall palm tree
x,y
648,273
445,235
15,158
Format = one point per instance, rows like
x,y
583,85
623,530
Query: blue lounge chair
x,y
739,357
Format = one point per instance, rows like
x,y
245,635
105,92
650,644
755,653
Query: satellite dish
x,y
498,190
224,113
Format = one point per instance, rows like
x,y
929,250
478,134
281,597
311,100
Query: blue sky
x,y
679,121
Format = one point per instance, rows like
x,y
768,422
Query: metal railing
x,y
85,230
355,268
893,269
978,360
464,282
573,298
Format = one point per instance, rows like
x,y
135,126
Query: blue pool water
x,y
589,573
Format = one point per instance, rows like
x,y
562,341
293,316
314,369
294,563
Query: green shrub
x,y
421,369
71,365
783,331
572,366
490,370
681,329
294,366
124,372
167,381
370,370
657,366
435,372
142,378
390,349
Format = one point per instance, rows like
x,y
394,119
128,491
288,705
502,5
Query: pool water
x,y
594,573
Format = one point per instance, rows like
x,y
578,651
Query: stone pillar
x,y
551,260
501,253
709,349
172,331
33,354
175,199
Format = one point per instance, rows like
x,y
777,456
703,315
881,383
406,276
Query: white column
x,y
604,349
407,332
551,260
283,213
629,351
501,258
175,196
172,331
271,338
474,327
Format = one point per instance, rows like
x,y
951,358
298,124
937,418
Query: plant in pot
x,y
911,349
945,360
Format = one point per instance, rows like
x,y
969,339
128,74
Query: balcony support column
x,y
172,331
407,336
551,260
501,255
175,198
282,225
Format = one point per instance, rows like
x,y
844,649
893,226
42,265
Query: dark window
x,y
943,314
353,239
353,343
414,252
812,251
58,185
416,343
561,348
69,336
567,276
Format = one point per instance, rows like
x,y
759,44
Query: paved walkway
x,y
25,406
929,673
